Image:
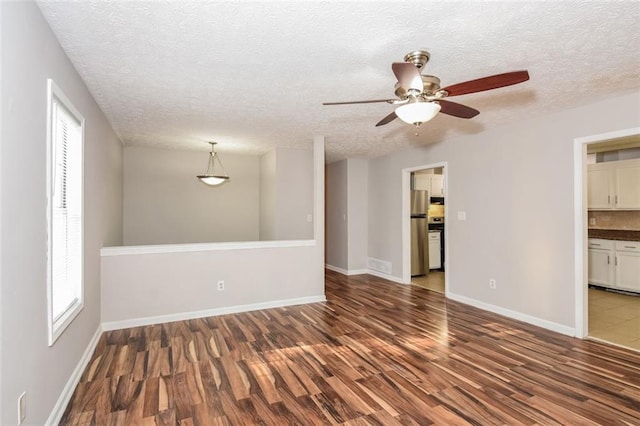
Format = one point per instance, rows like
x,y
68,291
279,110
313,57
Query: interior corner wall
x,y
515,184
336,243
357,199
31,55
164,203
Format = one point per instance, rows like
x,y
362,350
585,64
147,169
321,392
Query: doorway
x,y
424,241
602,311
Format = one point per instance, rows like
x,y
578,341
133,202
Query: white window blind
x,y
65,214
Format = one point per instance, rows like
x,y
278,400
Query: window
x,y
65,132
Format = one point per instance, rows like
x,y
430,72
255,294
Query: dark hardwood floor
x,y
376,353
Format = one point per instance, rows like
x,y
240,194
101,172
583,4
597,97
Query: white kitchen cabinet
x,y
429,182
614,185
435,262
627,189
628,265
437,186
599,182
614,264
601,258
422,181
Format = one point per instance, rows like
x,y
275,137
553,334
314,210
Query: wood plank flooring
x,y
377,353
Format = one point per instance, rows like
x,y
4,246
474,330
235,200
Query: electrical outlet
x,y
492,284
22,408
592,221
309,218
220,285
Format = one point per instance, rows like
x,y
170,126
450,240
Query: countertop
x,y
615,234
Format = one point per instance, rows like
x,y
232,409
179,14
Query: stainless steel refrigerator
x,y
419,232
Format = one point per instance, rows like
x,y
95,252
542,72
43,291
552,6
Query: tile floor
x,y
615,318
434,280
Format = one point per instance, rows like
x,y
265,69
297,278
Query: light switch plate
x,y
462,215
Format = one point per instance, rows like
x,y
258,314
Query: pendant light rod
x,y
210,177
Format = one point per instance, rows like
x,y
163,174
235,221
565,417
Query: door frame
x,y
406,221
580,222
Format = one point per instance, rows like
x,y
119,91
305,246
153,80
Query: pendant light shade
x,y
417,113
215,174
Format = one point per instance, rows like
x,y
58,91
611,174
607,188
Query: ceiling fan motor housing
x,y
430,84
419,58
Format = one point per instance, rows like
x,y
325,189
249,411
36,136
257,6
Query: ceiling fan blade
x,y
408,76
487,83
388,119
457,110
359,102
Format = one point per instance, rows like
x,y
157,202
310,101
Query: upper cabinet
x,y
430,182
437,186
614,185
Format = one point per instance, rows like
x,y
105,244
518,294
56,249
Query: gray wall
x,y
294,194
268,196
347,215
286,194
515,184
357,213
336,249
30,55
164,203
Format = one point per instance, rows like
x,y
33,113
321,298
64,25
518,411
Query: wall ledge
x,y
196,247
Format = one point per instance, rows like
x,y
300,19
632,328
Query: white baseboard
x,y
345,271
74,379
364,271
385,276
160,319
549,325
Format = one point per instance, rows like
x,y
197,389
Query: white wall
x,y
184,283
336,215
286,194
30,55
515,184
164,203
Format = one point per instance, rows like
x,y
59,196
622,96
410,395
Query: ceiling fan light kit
x,y
421,98
417,113
211,177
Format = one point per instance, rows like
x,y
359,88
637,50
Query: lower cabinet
x,y
435,261
628,265
601,257
614,264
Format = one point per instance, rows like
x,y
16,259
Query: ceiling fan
x,y
420,97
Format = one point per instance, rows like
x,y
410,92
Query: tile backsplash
x,y
436,210
627,220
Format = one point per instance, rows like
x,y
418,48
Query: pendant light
x,y
210,177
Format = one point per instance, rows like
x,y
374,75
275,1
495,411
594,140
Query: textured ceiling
x,y
253,75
